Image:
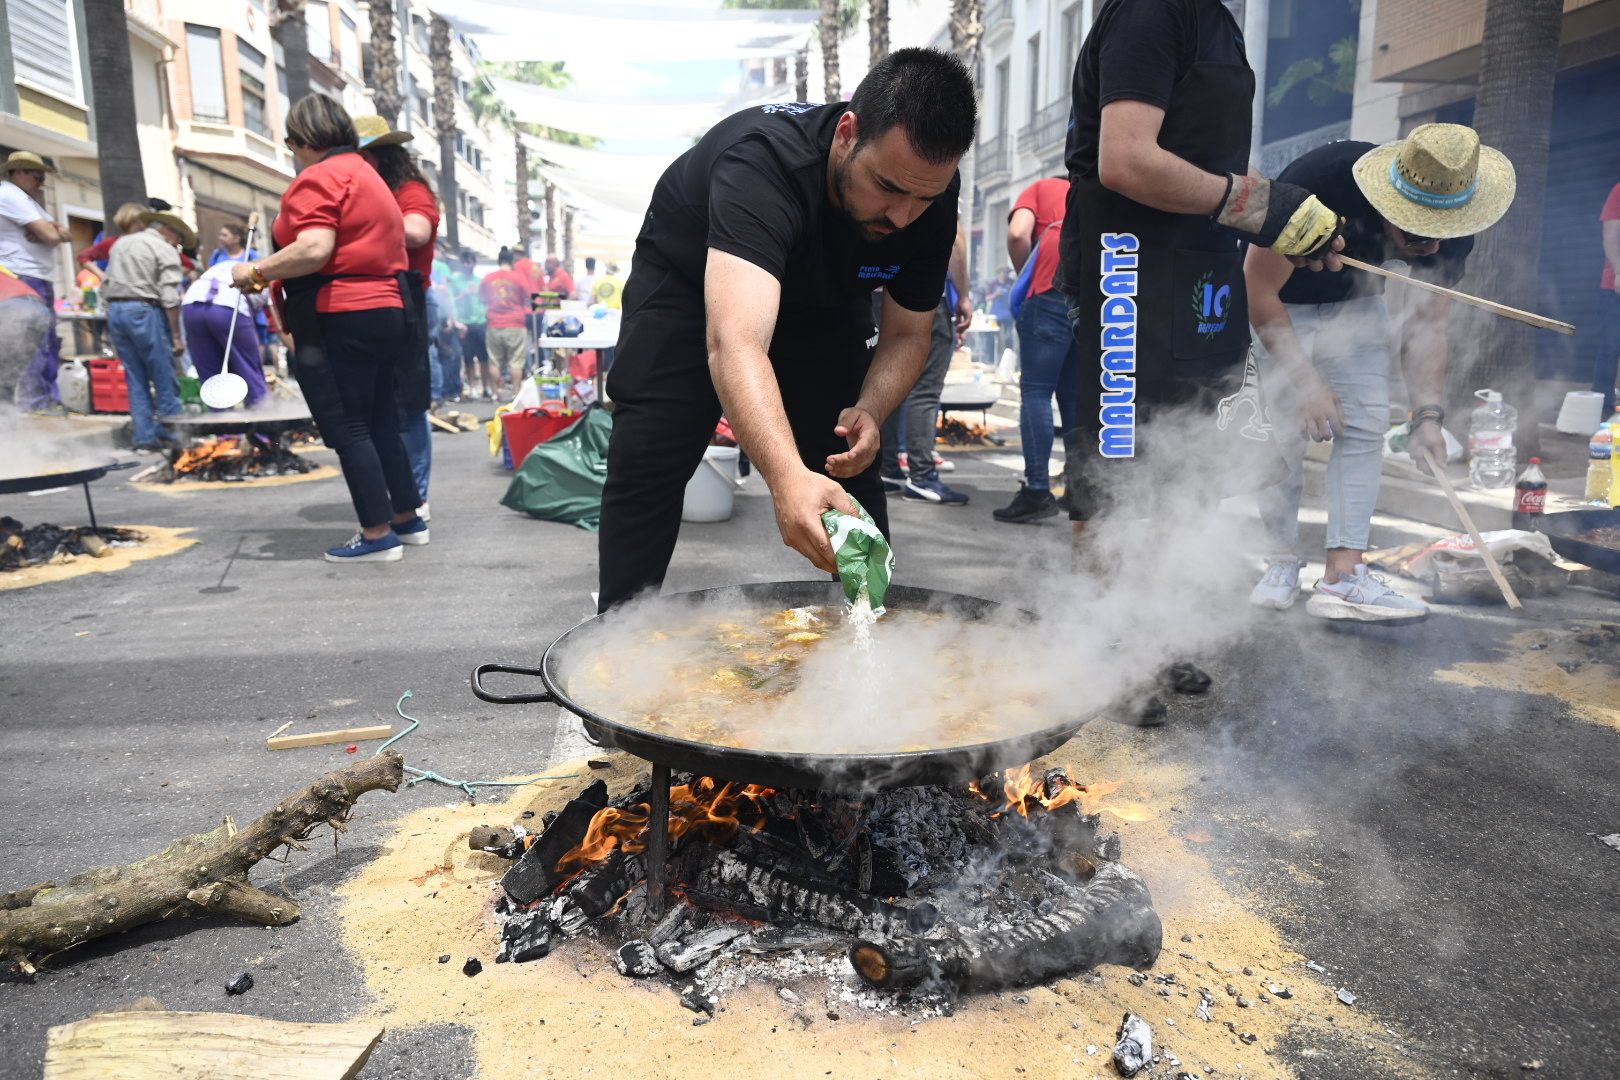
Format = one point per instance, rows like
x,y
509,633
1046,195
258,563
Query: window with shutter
x,y
250,62
206,64
44,44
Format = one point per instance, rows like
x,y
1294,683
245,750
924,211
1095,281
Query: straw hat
x,y
22,159
188,235
375,131
1438,182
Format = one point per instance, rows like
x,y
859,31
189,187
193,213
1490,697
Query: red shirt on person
x,y
1046,199
530,271
561,283
505,293
344,193
1611,212
98,252
414,197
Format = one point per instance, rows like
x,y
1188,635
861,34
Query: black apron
x,y
1159,307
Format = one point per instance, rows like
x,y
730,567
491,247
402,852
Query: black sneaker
x,y
1028,505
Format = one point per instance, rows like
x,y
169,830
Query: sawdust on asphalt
x,y
159,541
1575,664
572,1014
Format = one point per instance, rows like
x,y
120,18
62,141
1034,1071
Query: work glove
x,y
1283,217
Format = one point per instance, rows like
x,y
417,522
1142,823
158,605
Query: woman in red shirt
x,y
340,256
380,146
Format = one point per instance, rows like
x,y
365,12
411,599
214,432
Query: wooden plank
x,y
1497,576
326,738
443,424
1488,305
204,1046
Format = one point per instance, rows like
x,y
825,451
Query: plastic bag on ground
x,y
865,562
562,479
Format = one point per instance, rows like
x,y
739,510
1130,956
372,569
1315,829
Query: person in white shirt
x,y
585,284
28,241
207,310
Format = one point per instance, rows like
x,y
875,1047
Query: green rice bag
x,y
865,563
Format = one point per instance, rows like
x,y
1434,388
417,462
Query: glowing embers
x,y
233,457
923,891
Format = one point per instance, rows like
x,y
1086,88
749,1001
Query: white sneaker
x,y
940,463
1364,597
1280,585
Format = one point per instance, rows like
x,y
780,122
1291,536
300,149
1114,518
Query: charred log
x,y
1110,921
535,873
599,889
202,874
790,893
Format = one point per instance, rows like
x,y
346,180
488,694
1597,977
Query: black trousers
x,y
347,373
666,408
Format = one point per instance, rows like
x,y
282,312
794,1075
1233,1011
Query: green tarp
x,y
562,478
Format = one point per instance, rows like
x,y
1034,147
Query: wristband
x,y
259,278
1424,413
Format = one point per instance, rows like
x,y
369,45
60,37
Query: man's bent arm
x,y
1611,248
902,352
742,301
1020,237
1130,161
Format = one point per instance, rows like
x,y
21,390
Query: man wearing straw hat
x,y
142,292
1327,340
28,238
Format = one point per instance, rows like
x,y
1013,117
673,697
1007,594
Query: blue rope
x,y
419,776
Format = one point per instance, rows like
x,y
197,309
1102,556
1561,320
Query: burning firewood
x,y
201,874
32,545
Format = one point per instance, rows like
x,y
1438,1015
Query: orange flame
x,y
1022,788
712,809
208,452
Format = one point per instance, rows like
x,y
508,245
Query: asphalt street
x,y
1431,845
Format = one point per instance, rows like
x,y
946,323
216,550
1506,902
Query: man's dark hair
x,y
926,92
505,257
590,264
469,256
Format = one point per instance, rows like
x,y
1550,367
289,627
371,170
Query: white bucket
x,y
1581,412
711,493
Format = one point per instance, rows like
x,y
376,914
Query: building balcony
x,y
251,157
998,18
994,160
1046,129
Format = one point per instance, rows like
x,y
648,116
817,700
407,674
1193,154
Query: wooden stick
x,y
129,1045
326,738
1468,523
1489,305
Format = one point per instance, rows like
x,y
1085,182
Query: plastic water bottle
x,y
1492,462
1598,468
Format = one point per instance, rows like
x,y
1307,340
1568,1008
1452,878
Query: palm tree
x,y
112,96
568,239
385,93
444,122
877,29
967,27
1513,112
829,50
801,75
551,217
487,105
290,31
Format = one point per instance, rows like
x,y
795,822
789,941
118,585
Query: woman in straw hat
x,y
384,149
1326,338
28,240
341,261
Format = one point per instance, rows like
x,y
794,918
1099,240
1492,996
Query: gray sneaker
x,y
1364,597
1280,586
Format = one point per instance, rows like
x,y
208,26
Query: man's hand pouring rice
x,y
800,499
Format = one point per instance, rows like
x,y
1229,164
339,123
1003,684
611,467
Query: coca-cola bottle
x,y
1529,496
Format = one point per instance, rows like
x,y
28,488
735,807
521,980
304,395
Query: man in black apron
x,y
1160,202
751,291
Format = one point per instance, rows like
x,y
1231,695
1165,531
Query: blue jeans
x,y
912,426
1349,346
418,436
140,333
435,376
36,389
1049,363
1606,364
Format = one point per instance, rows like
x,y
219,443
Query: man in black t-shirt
x,y
1160,199
1327,338
751,293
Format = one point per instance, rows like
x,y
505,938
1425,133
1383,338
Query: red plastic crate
x,y
109,392
525,429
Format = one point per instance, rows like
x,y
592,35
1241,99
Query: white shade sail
x,y
511,30
611,118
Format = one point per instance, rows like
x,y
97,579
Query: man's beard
x,y
871,230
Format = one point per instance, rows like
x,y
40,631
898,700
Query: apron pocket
x,y
1209,307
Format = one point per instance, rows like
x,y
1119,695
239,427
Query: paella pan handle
x,y
479,692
